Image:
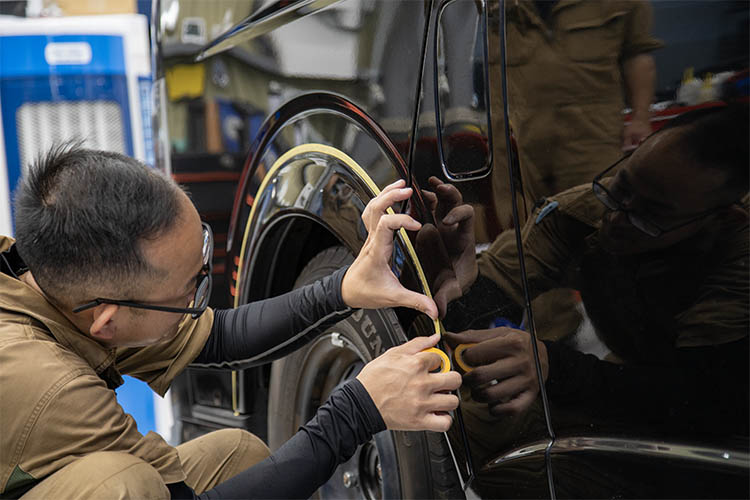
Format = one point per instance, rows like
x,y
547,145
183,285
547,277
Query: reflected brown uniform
x,y
566,102
692,294
566,87
61,422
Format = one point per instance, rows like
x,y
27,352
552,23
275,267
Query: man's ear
x,y
102,327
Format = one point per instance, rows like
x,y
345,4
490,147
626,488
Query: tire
x,y
394,464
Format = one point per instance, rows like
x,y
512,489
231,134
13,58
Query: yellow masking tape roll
x,y
445,362
458,356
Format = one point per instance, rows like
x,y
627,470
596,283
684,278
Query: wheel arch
x,y
278,262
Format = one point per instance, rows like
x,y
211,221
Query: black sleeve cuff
x,y
334,285
371,416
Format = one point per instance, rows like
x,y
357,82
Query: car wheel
x,y
393,464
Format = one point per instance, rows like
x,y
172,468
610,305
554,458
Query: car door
x,y
637,410
463,138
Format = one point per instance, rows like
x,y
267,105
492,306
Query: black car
x,y
284,118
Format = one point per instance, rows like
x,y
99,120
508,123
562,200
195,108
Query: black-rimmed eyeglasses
x,y
204,284
640,222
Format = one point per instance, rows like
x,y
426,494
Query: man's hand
x,y
369,283
639,73
455,224
408,396
505,375
635,132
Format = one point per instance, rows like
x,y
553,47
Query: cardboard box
x,y
93,7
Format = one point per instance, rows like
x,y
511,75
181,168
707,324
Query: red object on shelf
x,y
660,118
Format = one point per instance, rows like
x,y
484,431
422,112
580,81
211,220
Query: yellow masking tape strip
x,y
375,190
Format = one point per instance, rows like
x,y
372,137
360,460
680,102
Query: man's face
x,y
660,183
178,255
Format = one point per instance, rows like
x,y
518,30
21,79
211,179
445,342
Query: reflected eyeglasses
x,y
644,224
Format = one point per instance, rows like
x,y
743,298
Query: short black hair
x,y
81,214
718,137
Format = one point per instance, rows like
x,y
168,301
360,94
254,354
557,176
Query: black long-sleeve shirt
x,y
262,331
265,330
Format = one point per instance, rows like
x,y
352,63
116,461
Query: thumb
x,y
467,337
453,339
419,344
418,301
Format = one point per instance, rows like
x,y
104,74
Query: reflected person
x,y
659,252
572,69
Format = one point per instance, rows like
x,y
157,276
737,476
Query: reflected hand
x,y
505,374
437,267
369,283
455,221
634,133
408,396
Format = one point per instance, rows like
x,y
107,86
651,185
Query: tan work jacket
x,y
695,293
566,89
57,401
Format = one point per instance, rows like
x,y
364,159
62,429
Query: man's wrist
x,y
339,277
370,412
344,292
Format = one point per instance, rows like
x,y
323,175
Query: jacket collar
x,y
18,297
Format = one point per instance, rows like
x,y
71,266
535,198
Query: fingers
x,y
442,298
471,336
448,198
454,339
430,199
491,349
448,194
447,292
442,402
419,344
498,370
415,300
492,344
389,223
388,197
629,144
436,422
501,392
394,185
449,381
458,215
515,406
434,182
